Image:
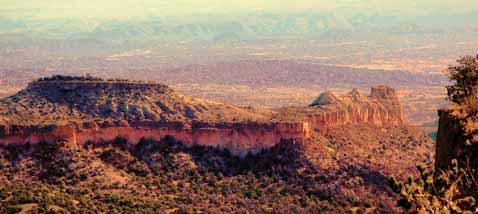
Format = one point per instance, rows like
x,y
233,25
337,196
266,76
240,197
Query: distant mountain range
x,y
247,26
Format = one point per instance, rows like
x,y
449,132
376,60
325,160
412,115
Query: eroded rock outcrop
x,y
81,111
382,107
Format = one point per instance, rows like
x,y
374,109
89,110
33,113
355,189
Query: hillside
x,y
76,143
346,169
77,101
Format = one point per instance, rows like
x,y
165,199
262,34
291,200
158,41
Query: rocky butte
x,y
81,110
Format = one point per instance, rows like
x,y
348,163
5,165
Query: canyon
x,y
80,110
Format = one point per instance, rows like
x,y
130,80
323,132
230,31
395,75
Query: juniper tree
x,y
465,78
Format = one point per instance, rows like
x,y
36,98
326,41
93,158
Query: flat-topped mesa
x,y
69,85
94,110
82,110
57,88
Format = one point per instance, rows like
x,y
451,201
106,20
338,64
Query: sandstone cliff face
x,y
238,139
96,111
353,114
382,107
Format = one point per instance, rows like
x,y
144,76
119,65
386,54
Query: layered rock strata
x,y
381,108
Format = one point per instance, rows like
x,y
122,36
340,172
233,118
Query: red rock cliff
x,y
381,108
239,138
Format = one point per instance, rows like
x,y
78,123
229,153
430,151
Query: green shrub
x,y
449,191
121,142
11,210
56,170
465,78
87,77
2,164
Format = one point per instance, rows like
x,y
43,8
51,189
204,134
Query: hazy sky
x,y
140,8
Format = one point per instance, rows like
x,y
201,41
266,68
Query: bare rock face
x,y
356,96
384,93
382,107
81,111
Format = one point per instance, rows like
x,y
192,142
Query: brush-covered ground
x,y
342,170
